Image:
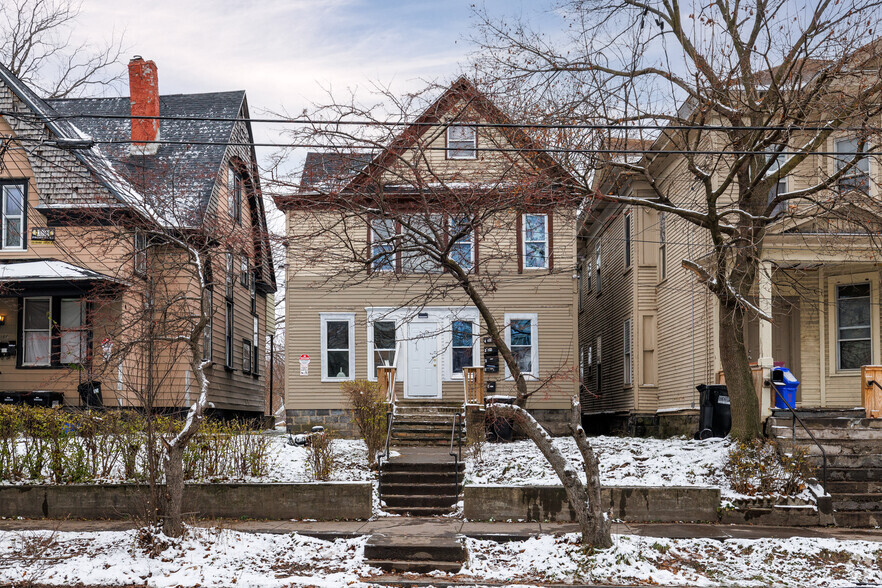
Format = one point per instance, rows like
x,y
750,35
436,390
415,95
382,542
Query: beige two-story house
x,y
363,290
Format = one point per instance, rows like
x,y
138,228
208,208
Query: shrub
x,y
760,468
320,458
369,408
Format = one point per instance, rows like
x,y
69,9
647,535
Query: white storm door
x,y
422,361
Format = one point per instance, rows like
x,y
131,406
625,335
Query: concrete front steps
x,y
421,424
413,553
421,487
853,445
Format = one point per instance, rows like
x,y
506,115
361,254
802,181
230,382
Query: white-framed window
x,y
780,187
662,247
627,240
462,251
462,345
854,343
598,258
588,268
535,239
383,238
462,142
234,194
140,253
858,176
228,335
207,330
383,343
73,331
12,216
338,346
37,332
582,363
230,278
252,290
626,345
255,365
522,337
246,356
244,270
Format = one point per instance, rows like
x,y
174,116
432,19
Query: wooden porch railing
x,y
473,380
871,390
386,381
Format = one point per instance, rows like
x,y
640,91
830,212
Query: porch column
x,y
765,360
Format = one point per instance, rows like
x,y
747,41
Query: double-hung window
x,y
37,331
234,194
228,335
535,238
140,253
626,338
598,258
338,346
462,345
779,187
244,268
229,276
416,230
73,331
384,344
255,364
627,240
462,251
662,247
462,142
12,216
207,330
252,290
383,240
854,326
521,338
858,176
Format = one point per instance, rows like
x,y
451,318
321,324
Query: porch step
x,y
447,501
404,553
850,486
421,481
419,478
871,501
420,511
857,519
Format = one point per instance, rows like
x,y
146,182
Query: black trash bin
x,y
715,416
90,394
499,428
10,398
43,398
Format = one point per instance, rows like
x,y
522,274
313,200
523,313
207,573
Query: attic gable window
x,y
462,142
858,176
234,194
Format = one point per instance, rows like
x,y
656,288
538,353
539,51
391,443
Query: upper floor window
x,y
383,239
858,176
628,240
406,244
140,253
230,278
207,330
234,194
854,326
255,335
12,215
535,241
244,267
779,187
598,257
462,142
662,247
462,251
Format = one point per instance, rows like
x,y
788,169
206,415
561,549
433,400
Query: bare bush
x,y
369,408
320,457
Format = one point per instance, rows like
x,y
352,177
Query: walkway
x,y
501,531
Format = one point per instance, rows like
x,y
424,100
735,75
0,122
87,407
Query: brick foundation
x,y
336,420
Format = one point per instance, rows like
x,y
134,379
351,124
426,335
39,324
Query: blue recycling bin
x,y
786,384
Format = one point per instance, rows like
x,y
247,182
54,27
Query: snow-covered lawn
x,y
624,461
217,557
287,463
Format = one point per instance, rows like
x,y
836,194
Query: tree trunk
x,y
739,379
599,523
594,525
172,523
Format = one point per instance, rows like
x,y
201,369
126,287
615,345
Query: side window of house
x,y
598,368
414,256
535,239
13,219
854,326
246,356
255,334
209,326
626,338
37,332
234,194
588,268
780,187
384,344
662,247
228,334
597,264
140,253
229,277
338,346
858,176
462,142
463,250
462,346
628,240
522,340
244,267
580,285
383,233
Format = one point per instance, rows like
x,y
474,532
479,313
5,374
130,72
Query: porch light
x,y
2,319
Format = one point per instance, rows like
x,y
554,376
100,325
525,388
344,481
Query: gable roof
x,y
189,168
328,170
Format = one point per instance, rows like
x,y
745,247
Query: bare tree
x,y
736,96
383,209
36,44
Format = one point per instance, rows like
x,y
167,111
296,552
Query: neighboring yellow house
x,y
648,330
75,270
349,315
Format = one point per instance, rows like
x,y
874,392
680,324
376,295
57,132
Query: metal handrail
x,y
793,429
390,419
457,456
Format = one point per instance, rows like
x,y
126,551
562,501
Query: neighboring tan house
x,y
350,323
74,174
648,330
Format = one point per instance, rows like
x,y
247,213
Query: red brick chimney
x,y
144,97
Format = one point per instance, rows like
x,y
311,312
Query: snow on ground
x,y
287,463
624,461
796,562
218,557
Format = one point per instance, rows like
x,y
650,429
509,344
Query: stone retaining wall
x,y
320,501
634,504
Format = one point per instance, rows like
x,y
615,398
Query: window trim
x,y
627,353
235,185
547,241
855,171
534,341
139,245
24,330
469,153
837,359
23,185
244,270
246,356
662,247
324,318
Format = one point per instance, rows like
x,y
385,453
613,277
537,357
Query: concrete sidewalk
x,y
443,526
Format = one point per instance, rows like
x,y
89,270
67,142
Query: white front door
x,y
422,361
